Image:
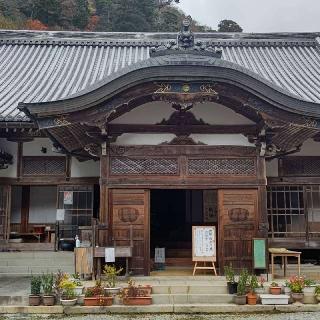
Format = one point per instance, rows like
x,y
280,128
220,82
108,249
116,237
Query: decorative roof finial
x,y
186,43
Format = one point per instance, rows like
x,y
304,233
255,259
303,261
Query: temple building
x,y
149,134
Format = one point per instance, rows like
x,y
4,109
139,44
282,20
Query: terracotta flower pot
x,y
297,297
34,300
48,300
98,301
140,301
275,290
240,300
252,298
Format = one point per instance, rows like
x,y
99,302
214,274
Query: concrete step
x,y
190,289
36,262
37,255
14,300
191,298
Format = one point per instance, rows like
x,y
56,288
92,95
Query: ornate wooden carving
x,y
145,166
128,214
238,214
182,140
222,167
299,166
43,166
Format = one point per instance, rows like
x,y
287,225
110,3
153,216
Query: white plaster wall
x,y
143,139
33,148
272,168
155,112
309,148
88,168
12,148
16,193
43,204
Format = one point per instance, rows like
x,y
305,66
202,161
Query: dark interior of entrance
x,y
173,213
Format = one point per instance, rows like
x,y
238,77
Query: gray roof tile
x,y
37,67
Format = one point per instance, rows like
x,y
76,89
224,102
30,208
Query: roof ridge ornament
x,y
186,43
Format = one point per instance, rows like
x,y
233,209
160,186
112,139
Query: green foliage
x,y
242,283
68,287
76,279
253,283
229,273
47,281
111,273
229,26
309,282
317,290
296,284
35,285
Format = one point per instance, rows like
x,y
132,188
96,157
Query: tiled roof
x,y
48,66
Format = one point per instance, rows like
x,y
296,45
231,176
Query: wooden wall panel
x,y
130,216
237,226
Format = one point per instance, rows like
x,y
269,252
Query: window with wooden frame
x,y
294,211
77,202
298,166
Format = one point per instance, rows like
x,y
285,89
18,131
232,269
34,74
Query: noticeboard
x,y
260,253
204,243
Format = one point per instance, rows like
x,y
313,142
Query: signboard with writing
x,y
67,197
204,243
260,253
60,215
109,254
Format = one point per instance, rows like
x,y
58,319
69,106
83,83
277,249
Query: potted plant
x,y
96,296
34,297
58,278
136,295
111,274
317,293
79,286
296,285
274,288
286,287
252,296
47,281
308,291
241,297
230,276
69,298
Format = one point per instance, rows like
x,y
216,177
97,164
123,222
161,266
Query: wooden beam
x,y
25,207
117,129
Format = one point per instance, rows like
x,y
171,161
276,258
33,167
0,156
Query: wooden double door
x,y
237,225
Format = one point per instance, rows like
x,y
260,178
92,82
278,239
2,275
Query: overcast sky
x,y
257,15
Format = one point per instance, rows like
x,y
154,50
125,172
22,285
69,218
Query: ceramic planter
x,y
297,297
275,290
252,299
137,301
112,291
232,287
70,302
34,300
309,297
48,300
273,299
240,300
286,290
98,301
80,299
78,290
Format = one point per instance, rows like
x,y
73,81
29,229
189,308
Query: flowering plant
x,y
296,284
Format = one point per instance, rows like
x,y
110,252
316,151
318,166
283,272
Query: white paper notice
x,y
60,215
109,255
159,255
204,242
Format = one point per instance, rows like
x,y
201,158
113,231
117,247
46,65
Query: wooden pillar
x,y
25,207
263,225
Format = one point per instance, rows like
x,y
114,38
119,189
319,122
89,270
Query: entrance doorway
x,y
172,215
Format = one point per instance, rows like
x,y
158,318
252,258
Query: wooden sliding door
x,y
237,226
129,210
4,213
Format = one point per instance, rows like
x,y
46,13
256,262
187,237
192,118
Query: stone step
x,y
14,300
36,262
28,270
190,289
37,255
191,298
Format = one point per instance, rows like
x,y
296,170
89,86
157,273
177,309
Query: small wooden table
x,y
284,254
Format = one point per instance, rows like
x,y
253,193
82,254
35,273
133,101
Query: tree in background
x,y
229,26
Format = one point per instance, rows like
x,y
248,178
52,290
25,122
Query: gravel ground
x,y
293,316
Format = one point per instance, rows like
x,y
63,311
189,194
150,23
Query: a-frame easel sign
x,y
204,248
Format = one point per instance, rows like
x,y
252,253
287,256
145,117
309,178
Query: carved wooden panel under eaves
x,y
43,166
300,166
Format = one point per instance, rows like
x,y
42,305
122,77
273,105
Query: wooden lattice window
x,y
147,166
286,211
222,167
300,166
44,166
